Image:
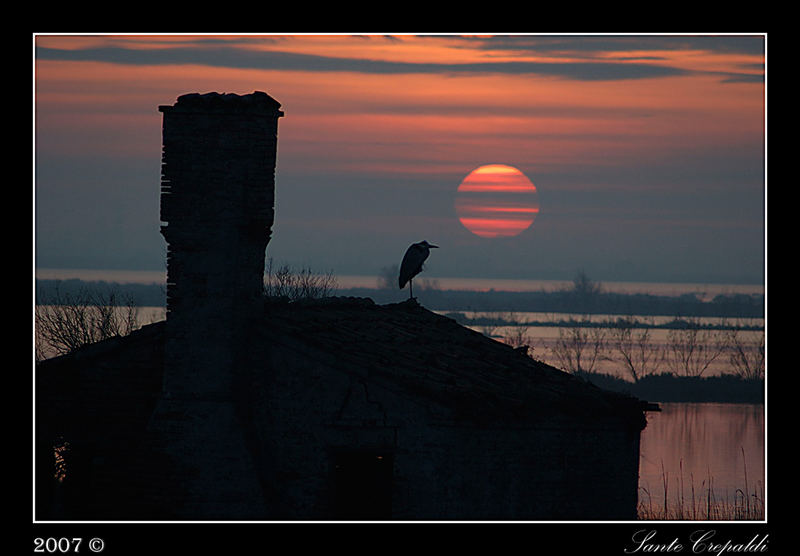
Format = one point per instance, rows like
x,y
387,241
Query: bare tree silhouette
x,y
747,357
639,354
579,347
691,350
517,332
283,281
387,277
64,322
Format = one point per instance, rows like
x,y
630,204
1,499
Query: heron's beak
x,y
436,246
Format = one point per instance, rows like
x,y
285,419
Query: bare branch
x,y
579,346
303,284
65,322
634,346
747,358
692,349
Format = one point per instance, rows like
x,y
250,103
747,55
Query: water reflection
x,y
715,449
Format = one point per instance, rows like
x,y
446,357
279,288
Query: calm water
x,y
702,445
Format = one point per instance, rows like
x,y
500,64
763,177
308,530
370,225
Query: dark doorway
x,y
362,485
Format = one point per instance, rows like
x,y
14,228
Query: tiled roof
x,y
403,346
430,355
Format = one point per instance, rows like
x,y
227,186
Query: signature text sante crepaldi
x,y
699,542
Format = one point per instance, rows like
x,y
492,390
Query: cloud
x,y
596,45
232,57
744,78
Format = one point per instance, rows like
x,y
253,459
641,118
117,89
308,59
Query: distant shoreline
x,y
667,388
735,305
347,282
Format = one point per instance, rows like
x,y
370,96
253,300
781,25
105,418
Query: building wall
x,y
311,409
555,471
98,402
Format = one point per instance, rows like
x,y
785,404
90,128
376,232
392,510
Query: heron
x,y
412,263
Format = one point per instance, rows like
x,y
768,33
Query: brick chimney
x,y
217,197
217,210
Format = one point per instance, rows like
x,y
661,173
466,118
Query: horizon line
x,y
350,281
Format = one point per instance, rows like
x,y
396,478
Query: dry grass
x,y
694,502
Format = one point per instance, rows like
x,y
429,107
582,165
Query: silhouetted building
x,y
244,407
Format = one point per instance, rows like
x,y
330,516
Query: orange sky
x,y
368,115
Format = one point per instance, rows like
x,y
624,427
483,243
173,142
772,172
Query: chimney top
x,y
258,101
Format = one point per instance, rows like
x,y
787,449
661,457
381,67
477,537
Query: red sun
x,y
496,200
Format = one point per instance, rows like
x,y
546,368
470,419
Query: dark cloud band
x,y
288,61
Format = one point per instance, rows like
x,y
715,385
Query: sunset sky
x,y
636,158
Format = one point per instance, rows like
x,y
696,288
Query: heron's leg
x,y
411,288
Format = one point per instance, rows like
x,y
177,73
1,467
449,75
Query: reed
x,y
703,504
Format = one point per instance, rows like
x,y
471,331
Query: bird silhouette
x,y
412,264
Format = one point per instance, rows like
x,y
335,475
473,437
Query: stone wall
x,y
308,409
